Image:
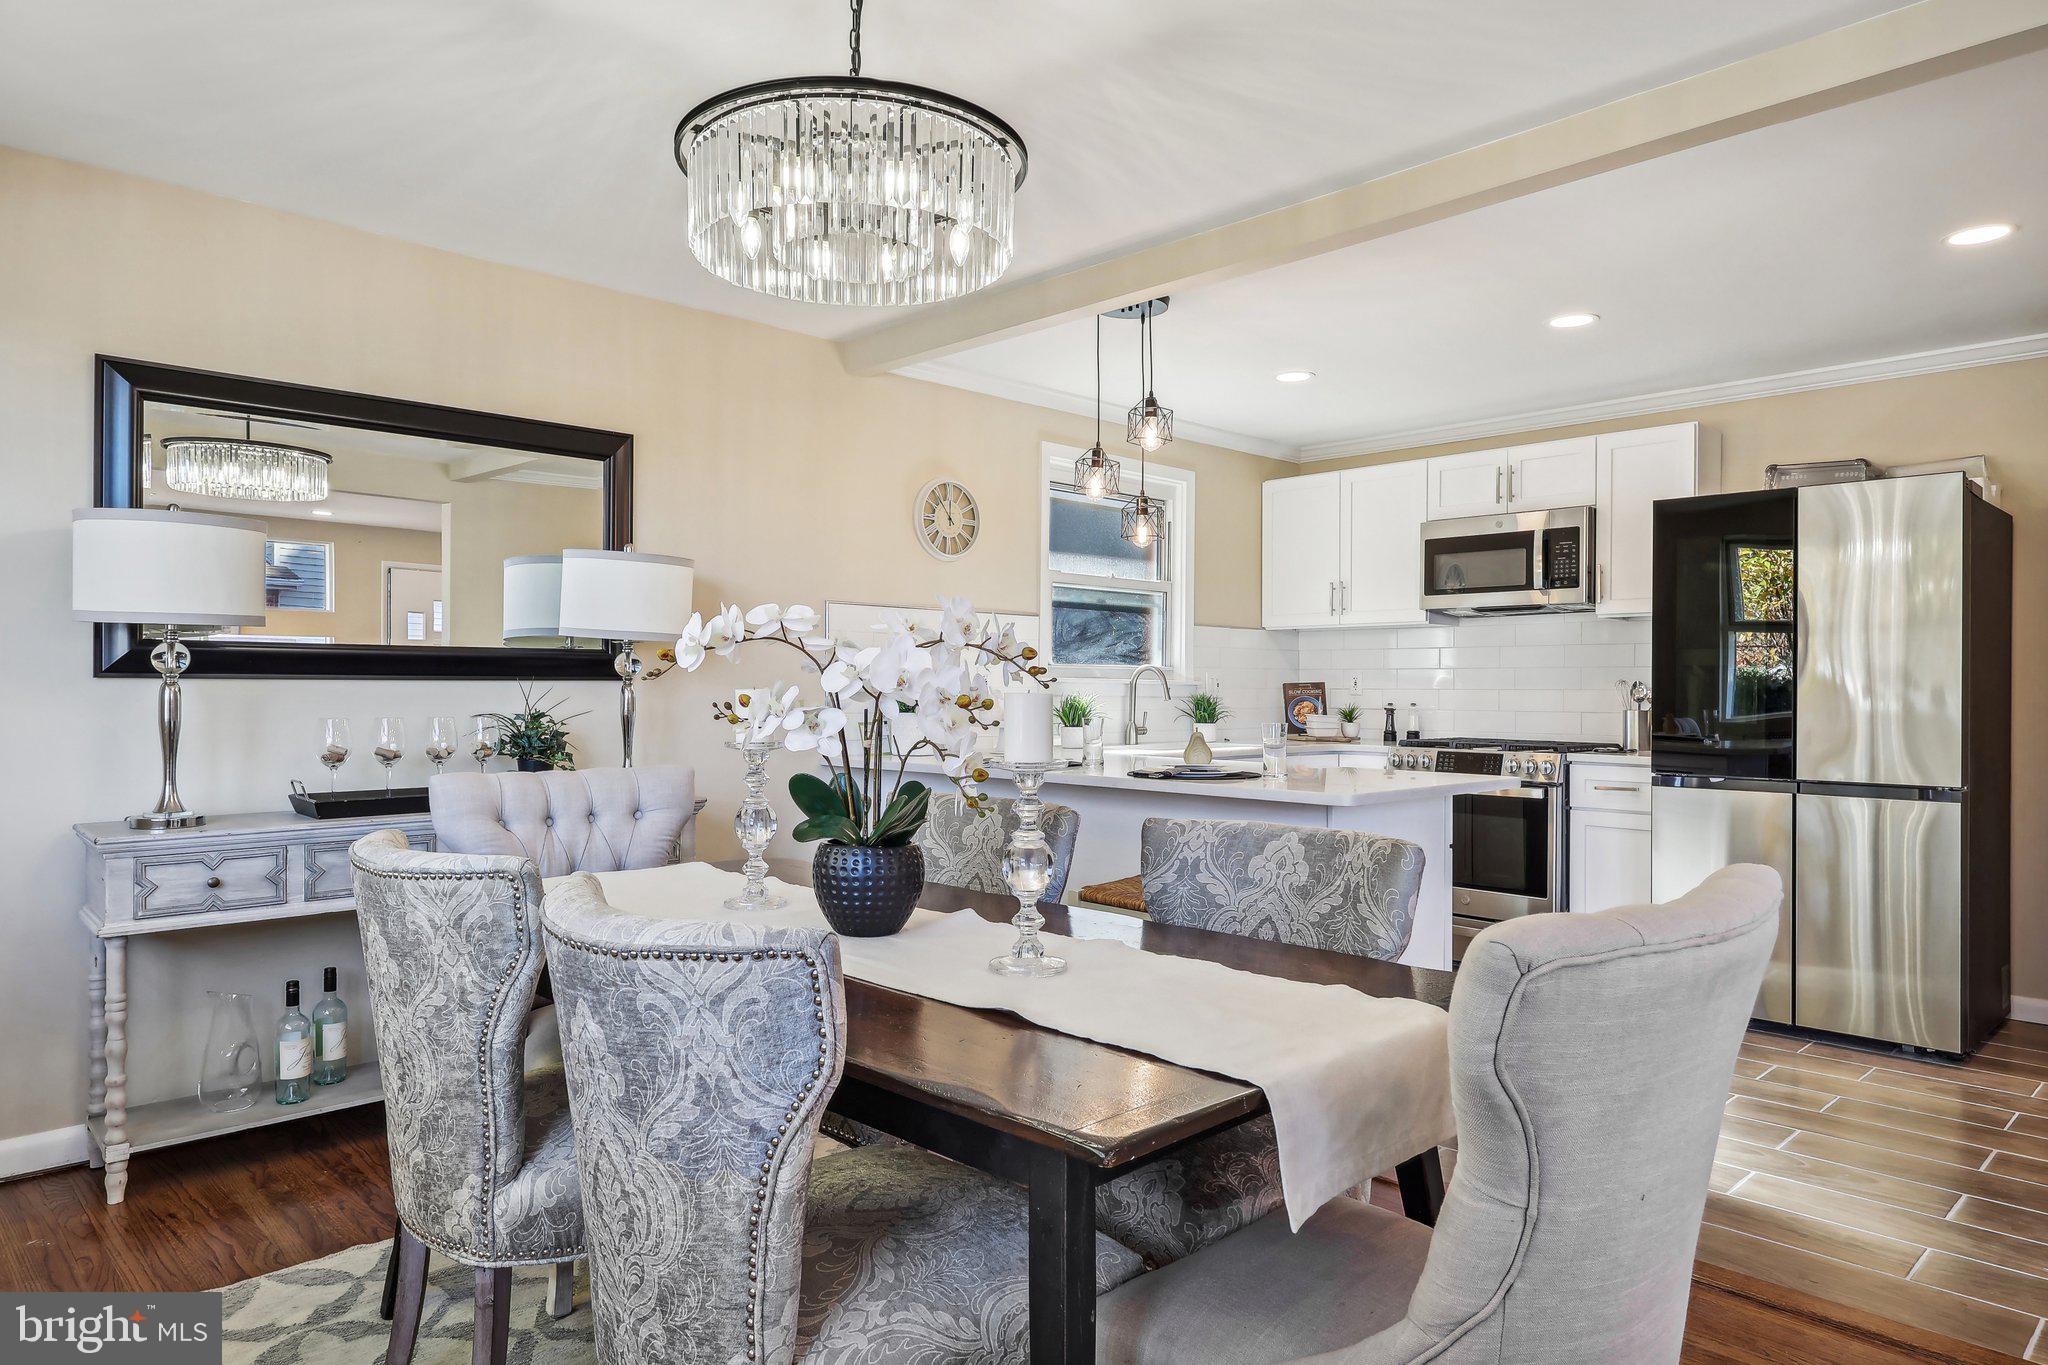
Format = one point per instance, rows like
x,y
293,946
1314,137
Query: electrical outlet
x,y
1357,682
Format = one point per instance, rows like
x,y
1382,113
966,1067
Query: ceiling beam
x,y
490,464
1895,50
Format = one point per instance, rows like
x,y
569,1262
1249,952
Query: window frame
x,y
1173,486
326,571
1735,625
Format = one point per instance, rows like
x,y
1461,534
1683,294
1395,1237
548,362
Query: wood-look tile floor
x,y
1914,1190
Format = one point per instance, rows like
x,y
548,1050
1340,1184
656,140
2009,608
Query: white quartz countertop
x,y
1303,785
1611,760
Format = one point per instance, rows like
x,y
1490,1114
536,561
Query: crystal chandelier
x,y
1095,473
1151,426
845,189
227,467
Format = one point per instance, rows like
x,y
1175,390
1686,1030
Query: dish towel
x,y
1356,1083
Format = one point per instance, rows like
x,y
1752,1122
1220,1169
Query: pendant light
x,y
1095,474
1151,426
846,189
263,471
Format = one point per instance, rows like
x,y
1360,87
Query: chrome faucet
x,y
1134,728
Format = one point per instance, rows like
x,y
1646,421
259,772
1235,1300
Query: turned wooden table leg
x,y
114,1150
96,1038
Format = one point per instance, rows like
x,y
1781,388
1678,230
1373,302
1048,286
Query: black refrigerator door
x,y
1723,639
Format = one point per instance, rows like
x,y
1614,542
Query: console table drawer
x,y
329,875
195,883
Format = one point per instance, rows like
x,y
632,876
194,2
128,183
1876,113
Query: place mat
x,y
1356,1083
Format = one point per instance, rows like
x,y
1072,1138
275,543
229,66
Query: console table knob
x,y
213,883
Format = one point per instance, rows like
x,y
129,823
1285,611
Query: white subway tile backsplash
x,y
1422,637
1469,656
1411,658
1546,679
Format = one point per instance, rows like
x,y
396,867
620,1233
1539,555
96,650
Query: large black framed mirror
x,y
387,560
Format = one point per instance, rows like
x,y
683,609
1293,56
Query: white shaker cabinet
x,y
1608,860
1470,485
1384,508
1633,470
1550,474
1302,551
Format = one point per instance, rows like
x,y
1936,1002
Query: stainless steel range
x,y
1507,847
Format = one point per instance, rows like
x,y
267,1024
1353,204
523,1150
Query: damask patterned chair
x,y
700,1059
966,850
1590,1059
1319,888
483,1163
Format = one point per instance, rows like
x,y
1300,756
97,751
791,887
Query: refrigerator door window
x,y
1722,642
1880,678
1878,919
1695,831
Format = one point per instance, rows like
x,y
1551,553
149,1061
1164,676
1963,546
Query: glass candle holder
x,y
1027,867
754,823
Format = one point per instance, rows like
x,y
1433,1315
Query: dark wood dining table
x,y
1060,1115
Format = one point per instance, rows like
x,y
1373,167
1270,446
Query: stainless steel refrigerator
x,y
1831,676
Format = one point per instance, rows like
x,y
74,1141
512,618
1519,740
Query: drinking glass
x,y
334,745
390,746
483,741
231,1067
442,734
1273,747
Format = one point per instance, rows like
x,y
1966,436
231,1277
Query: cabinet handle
x,y
1497,498
1603,787
1511,483
1333,597
1600,594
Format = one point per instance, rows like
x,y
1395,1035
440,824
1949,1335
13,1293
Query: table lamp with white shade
x,y
624,596
183,573
533,597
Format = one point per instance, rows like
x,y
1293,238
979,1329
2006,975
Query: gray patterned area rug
x,y
325,1313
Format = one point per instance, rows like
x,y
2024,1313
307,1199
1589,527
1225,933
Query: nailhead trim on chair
x,y
766,1178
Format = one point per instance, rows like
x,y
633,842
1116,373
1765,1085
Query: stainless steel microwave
x,y
1511,562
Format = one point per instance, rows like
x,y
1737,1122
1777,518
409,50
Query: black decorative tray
x,y
359,805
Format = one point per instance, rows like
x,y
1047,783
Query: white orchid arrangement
x,y
920,689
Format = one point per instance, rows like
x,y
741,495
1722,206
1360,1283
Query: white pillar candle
x,y
1027,725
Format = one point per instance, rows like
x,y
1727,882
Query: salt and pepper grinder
x,y
1387,732
1414,721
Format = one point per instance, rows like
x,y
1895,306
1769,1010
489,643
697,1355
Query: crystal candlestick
x,y
1027,867
754,823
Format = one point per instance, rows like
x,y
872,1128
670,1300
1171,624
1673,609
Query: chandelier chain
x,y
853,35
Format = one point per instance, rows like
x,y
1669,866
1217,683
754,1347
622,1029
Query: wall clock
x,y
948,519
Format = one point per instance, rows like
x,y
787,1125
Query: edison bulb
x,y
1093,488
1143,535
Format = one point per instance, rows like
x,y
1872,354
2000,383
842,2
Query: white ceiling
x,y
1812,243
537,132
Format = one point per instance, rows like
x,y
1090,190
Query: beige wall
x,y
2000,411
757,455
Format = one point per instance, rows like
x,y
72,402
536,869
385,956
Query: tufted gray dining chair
x,y
598,820
700,1058
1590,1059
964,849
482,1157
1335,889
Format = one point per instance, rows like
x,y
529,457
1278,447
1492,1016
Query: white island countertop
x,y
1303,785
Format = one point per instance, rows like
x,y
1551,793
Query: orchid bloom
x,y
812,727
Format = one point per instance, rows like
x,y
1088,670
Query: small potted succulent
x,y
1205,711
1073,715
1349,716
535,736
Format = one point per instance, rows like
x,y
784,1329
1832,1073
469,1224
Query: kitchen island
x,y
1329,790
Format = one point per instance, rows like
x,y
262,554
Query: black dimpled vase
x,y
867,892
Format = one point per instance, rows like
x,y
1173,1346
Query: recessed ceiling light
x,y
1980,234
1574,320
1295,376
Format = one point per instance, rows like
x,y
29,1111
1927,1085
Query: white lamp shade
x,y
624,595
533,597
149,566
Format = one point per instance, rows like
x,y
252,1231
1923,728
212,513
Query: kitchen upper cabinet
x,y
1384,508
1302,551
1470,485
1550,474
1633,470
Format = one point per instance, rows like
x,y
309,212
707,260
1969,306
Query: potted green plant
x,y
1073,714
922,688
1349,716
1205,711
534,735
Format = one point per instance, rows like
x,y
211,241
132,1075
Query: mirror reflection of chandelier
x,y
846,189
227,467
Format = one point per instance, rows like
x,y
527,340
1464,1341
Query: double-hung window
x,y
1113,605
297,575
1760,632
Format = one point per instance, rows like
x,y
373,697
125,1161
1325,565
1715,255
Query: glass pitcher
x,y
231,1068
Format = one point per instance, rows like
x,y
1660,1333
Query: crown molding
x,y
2029,347
1059,400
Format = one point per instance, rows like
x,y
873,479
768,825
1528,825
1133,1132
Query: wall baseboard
x,y
2030,1009
44,1151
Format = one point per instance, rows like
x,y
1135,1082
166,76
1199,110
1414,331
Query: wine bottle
x,y
294,1050
330,1035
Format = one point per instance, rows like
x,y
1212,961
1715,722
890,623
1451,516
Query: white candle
x,y
1027,725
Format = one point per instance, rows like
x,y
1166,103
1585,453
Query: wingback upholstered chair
x,y
600,820
700,1059
1319,888
482,1157
1590,1059
966,850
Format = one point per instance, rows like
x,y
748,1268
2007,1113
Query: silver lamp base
x,y
173,820
170,658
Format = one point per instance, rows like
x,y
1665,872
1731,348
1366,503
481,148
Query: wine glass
x,y
334,746
390,746
483,742
442,734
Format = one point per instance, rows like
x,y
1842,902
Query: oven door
x,y
1504,857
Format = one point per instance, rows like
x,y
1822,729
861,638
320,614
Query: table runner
x,y
1356,1083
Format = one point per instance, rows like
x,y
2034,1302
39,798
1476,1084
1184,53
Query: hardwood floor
x,y
207,1214
1906,1188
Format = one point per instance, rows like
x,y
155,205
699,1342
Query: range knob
x,y
1513,765
1549,767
